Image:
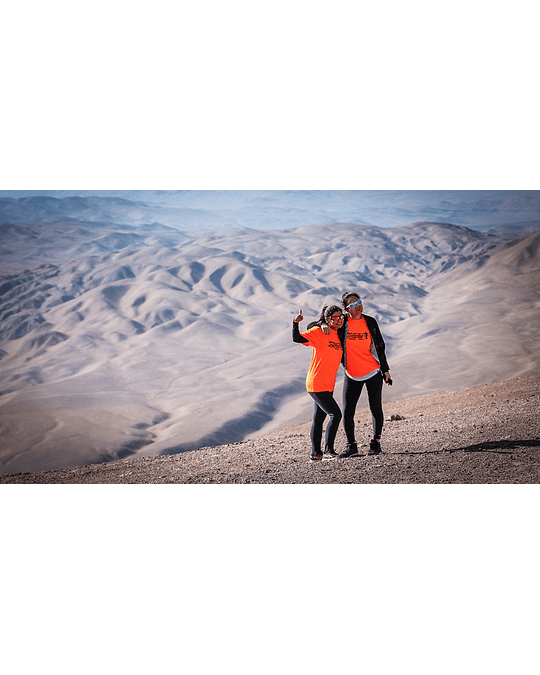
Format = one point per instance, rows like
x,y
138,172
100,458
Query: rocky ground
x,y
485,434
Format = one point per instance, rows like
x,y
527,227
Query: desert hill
x,y
120,340
485,434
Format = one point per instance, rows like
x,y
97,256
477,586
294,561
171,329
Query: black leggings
x,y
351,393
325,404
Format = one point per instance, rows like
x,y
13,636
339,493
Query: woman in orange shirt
x,y
365,363
321,378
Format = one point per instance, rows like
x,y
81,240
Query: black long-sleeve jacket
x,y
296,335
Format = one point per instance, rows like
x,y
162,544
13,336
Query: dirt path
x,y
485,434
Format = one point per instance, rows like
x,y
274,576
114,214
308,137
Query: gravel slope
x,y
485,434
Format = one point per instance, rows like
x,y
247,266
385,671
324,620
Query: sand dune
x,y
118,340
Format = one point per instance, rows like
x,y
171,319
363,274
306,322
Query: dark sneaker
x,y
374,447
351,451
316,458
330,454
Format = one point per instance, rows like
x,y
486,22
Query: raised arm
x,y
296,336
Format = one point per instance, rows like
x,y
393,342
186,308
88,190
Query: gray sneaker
x,y
351,451
329,454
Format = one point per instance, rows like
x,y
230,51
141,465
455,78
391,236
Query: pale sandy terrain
x,y
485,434
122,341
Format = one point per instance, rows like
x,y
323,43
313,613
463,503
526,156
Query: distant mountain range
x,y
273,209
120,339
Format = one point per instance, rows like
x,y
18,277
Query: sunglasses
x,y
335,318
356,303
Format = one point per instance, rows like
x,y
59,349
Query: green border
x,y
425,578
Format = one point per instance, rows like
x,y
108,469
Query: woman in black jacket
x,y
364,361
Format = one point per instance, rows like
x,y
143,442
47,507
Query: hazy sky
x,y
189,209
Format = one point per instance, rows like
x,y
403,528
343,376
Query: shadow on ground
x,y
497,447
